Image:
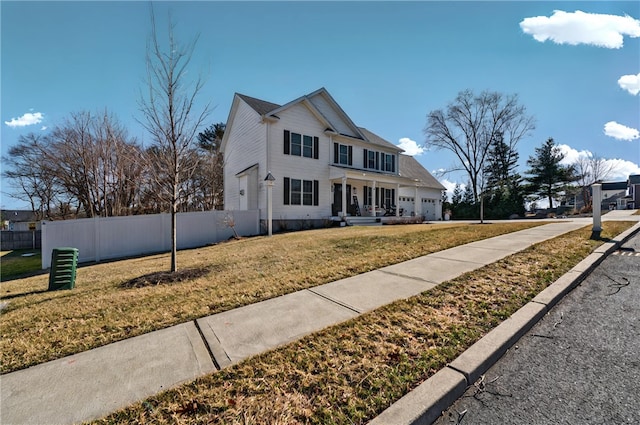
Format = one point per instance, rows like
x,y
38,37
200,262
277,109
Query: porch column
x,y
344,196
373,197
417,203
397,200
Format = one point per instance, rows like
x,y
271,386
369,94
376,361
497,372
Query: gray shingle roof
x,y
377,140
18,215
614,185
411,168
260,106
634,179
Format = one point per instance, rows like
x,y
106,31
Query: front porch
x,y
362,196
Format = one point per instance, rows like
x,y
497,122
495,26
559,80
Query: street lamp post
x,y
270,181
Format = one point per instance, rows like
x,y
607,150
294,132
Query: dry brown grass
x,y
117,300
351,372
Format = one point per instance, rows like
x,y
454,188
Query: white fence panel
x,y
81,235
118,237
133,235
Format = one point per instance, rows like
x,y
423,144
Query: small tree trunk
x,y
174,229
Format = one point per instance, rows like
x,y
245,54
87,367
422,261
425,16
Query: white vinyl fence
x,y
118,237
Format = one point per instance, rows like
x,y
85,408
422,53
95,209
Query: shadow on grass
x,y
595,236
22,294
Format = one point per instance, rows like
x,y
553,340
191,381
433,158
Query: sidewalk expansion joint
x,y
347,306
431,282
206,344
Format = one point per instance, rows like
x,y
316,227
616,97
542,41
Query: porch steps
x,y
364,221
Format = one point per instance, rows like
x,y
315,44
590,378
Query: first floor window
x,y
301,192
388,196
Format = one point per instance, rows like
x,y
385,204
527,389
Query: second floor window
x,y
342,154
374,160
389,163
297,144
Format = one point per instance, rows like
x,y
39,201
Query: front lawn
x,y
117,300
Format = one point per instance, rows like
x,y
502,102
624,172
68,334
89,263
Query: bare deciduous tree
x,y
88,161
26,169
590,169
97,164
170,118
468,126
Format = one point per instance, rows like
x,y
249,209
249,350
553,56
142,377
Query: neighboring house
x,y
18,220
325,167
632,200
611,192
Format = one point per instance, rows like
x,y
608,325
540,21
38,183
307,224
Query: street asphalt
x,y
579,365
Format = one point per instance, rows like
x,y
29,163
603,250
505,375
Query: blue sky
x,y
386,63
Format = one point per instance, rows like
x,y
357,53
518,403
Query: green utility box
x,y
63,268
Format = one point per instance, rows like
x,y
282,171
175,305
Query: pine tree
x,y
547,177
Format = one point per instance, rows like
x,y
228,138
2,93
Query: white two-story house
x,y
325,167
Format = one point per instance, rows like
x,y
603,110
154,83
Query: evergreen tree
x,y
547,177
504,194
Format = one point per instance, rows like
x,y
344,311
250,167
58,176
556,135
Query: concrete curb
x,y
425,404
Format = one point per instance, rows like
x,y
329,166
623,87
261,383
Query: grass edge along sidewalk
x,y
38,326
350,373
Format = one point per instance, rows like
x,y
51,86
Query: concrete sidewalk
x,y
95,383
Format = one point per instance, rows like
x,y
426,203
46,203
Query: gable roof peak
x,y
262,107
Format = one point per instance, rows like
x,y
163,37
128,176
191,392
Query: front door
x,y
336,207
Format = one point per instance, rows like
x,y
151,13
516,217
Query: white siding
x,y
246,146
429,200
332,115
299,119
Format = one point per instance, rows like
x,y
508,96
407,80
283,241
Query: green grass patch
x,y
350,373
19,262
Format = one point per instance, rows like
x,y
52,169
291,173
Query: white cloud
x,y
582,28
620,132
25,120
410,147
621,169
630,83
43,128
571,155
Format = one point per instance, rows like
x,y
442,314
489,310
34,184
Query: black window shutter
x,y
350,155
287,142
316,144
316,192
393,196
393,163
336,153
377,160
286,190
366,159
